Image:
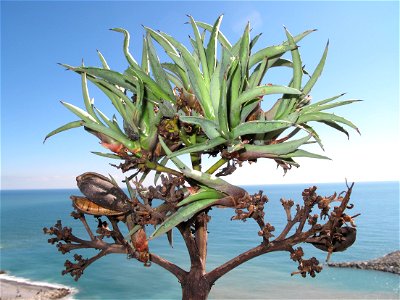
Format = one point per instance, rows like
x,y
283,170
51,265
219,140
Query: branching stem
x,y
217,165
159,168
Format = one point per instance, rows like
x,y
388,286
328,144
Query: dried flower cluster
x,y
336,233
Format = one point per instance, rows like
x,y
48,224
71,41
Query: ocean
x,y
25,252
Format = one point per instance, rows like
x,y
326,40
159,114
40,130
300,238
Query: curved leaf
x,y
149,84
297,67
208,126
112,124
199,85
211,51
167,45
200,50
203,193
318,70
86,98
103,60
131,145
265,90
157,70
70,125
309,106
303,153
182,215
222,39
320,107
275,50
204,146
278,149
128,55
254,127
325,117
179,72
108,155
258,73
79,112
112,77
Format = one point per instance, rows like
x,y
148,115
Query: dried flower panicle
x,y
287,206
310,266
266,232
337,234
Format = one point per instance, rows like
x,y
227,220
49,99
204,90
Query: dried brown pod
x,y
103,192
338,242
141,244
86,206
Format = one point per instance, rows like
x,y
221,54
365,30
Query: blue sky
x,y
363,61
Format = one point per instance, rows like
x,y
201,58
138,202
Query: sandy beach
x,y
19,288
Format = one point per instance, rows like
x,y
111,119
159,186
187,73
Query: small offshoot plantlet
x,y
202,103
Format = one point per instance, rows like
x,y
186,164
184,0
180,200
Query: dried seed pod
x,y
86,206
139,240
340,241
141,245
103,192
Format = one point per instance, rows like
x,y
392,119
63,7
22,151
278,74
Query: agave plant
x,y
205,101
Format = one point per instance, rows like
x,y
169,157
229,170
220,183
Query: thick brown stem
x,y
167,265
195,286
201,237
185,230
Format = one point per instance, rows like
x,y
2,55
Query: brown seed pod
x,y
141,245
103,192
342,239
139,240
86,206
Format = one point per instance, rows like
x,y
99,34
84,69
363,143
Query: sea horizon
x,y
244,185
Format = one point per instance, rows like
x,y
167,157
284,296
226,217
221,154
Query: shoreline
x,y
13,287
388,263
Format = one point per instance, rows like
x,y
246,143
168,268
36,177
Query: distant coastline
x,y
20,288
388,263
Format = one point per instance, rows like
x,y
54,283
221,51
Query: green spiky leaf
x,y
209,127
318,70
182,215
107,155
255,127
203,193
68,126
278,149
200,147
325,117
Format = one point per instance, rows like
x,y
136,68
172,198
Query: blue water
x,y
25,252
